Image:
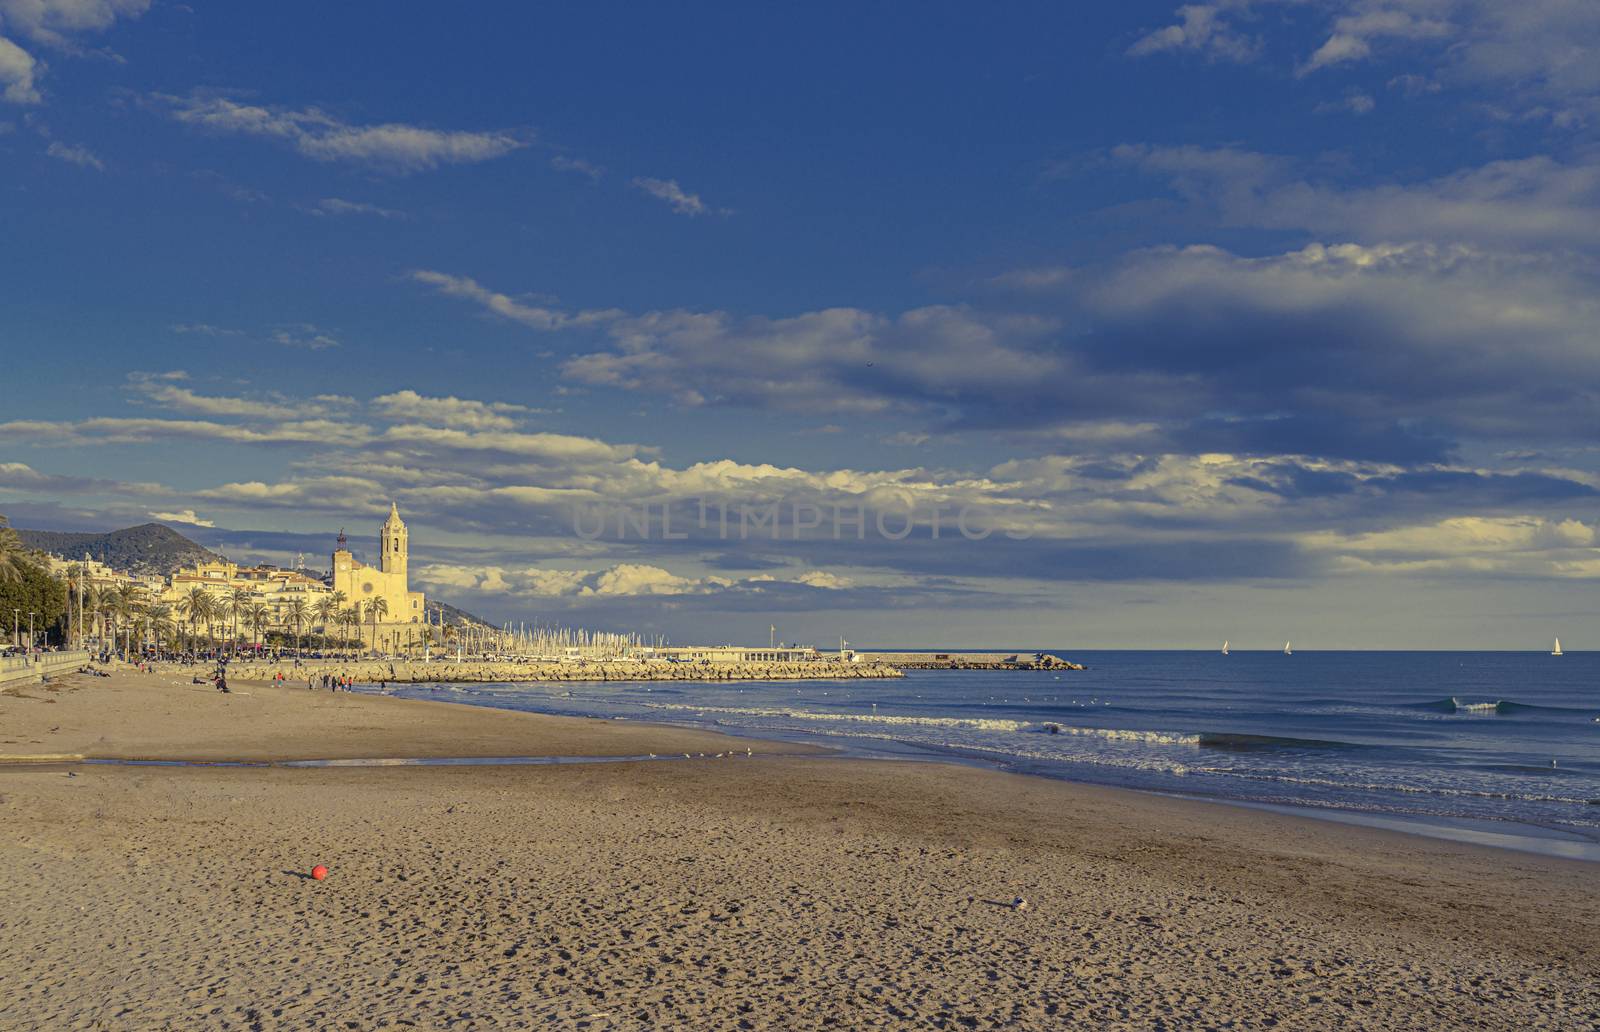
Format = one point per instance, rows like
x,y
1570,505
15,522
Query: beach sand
x,y
774,892
164,716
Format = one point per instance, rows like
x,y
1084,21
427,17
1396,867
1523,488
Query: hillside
x,y
153,549
150,549
457,617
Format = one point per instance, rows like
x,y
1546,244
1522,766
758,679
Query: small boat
x,y
1224,648
1287,651
1557,650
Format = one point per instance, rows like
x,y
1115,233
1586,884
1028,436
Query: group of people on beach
x,y
329,682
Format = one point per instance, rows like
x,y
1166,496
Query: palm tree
x,y
135,613
327,609
258,618
11,551
294,615
159,619
376,608
197,605
118,607
351,621
238,605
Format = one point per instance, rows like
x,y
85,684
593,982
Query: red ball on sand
x,y
319,872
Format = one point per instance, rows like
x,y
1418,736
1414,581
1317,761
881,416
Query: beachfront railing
x,y
25,669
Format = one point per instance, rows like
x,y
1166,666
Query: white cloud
x,y
1353,36
17,71
339,206
206,330
1539,56
75,155
162,389
1523,545
619,580
186,516
584,168
831,360
54,24
682,202
449,411
1355,103
545,446
306,337
1047,277
537,317
113,430
1200,28
1535,202
393,147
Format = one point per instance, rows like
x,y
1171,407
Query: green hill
x,y
150,549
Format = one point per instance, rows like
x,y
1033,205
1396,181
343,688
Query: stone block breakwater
x,y
973,661
412,672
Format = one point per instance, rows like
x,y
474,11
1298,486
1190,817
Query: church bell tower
x,y
394,544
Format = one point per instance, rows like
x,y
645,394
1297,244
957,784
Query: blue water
x,y
1508,742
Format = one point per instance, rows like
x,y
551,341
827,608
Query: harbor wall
x,y
942,660
416,672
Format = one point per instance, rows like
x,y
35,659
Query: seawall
x,y
416,672
938,660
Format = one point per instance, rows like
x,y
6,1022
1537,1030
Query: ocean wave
x,y
1500,707
1398,789
1223,740
954,723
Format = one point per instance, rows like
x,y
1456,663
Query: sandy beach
x,y
775,891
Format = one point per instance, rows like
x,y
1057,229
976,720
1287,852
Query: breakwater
x,y
417,672
933,660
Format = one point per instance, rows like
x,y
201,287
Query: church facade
x,y
362,584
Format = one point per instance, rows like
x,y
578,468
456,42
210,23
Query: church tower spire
x,y
393,540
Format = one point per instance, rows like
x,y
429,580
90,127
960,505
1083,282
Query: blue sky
x,y
1250,319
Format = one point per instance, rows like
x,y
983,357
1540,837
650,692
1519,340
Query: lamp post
x,y
16,628
31,639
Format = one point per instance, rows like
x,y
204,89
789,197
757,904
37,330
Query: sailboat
x,y
1224,648
1557,650
1287,651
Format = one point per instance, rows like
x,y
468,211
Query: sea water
x,y
1488,744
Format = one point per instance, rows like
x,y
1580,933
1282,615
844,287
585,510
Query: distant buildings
x,y
364,584
277,589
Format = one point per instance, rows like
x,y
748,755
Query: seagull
x,y
1019,904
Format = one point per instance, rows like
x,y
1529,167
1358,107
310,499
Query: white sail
x,y
1224,648
1287,651
1557,650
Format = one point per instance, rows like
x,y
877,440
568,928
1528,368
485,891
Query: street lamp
x,y
31,639
16,622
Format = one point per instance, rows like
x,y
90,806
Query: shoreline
x,y
1513,835
775,891
702,743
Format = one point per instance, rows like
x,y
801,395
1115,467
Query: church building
x,y
361,583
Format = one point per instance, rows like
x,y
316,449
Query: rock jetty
x,y
975,661
417,672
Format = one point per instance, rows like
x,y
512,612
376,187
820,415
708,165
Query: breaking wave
x,y
1501,707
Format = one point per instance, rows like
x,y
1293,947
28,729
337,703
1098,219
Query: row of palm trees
x,y
118,614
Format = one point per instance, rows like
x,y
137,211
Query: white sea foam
x,y
1401,789
964,723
